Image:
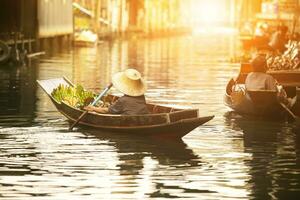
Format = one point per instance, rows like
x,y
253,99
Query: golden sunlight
x,y
208,13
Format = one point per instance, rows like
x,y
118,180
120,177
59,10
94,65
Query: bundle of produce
x,y
289,60
75,96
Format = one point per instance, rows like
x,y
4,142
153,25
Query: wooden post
x,y
120,27
96,17
146,17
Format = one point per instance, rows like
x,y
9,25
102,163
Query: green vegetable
x,y
75,96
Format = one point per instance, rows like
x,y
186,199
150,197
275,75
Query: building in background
x,y
36,18
114,17
27,23
108,18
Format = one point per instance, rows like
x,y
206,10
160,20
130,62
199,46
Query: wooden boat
x,y
163,121
262,103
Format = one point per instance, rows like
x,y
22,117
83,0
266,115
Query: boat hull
x,y
263,104
139,125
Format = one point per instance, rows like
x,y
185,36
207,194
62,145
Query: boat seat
x,y
263,97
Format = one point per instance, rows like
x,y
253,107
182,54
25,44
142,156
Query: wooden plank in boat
x,y
50,84
265,102
263,97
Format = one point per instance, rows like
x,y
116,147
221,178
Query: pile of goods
x,y
289,60
75,96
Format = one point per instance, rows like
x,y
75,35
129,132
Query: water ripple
x,y
230,157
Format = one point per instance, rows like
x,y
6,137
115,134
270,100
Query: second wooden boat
x,y
261,103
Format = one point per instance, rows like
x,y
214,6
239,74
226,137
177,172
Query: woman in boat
x,y
132,85
260,80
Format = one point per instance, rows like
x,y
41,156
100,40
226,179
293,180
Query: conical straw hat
x,y
129,82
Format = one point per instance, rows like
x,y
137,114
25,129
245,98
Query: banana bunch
x,y
75,96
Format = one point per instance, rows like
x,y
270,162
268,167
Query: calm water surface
x,y
228,158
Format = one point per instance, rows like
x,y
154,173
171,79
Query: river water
x,y
230,157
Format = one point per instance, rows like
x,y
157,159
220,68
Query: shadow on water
x,y
230,158
173,153
17,95
274,146
134,151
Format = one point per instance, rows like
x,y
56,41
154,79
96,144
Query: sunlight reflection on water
x,y
224,159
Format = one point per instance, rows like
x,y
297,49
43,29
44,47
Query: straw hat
x,y
129,82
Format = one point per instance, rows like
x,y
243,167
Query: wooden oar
x,y
92,104
290,113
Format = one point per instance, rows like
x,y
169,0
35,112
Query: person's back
x,y
129,105
260,81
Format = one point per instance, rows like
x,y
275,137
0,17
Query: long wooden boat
x,y
163,121
262,103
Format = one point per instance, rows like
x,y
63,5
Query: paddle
x,y
290,113
92,104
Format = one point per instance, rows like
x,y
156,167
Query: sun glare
x,y
208,13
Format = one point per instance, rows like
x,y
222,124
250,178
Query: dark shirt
x,y
128,105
